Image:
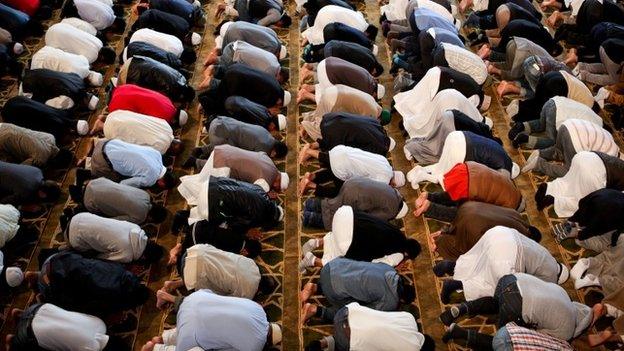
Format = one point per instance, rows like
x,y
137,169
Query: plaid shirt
x,y
524,339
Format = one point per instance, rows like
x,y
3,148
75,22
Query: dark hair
x,y
280,149
286,20
108,55
138,296
378,69
254,248
44,254
116,343
15,67
412,248
188,93
51,189
153,252
188,56
285,74
62,159
119,25
175,148
44,12
217,30
428,344
118,10
157,213
314,345
556,50
266,285
35,28
371,32
169,179
407,294
535,234
141,9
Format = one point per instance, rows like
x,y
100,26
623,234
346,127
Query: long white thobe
x,y
140,129
332,14
65,37
164,41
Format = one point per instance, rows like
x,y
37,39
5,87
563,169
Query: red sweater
x,y
134,98
29,7
456,182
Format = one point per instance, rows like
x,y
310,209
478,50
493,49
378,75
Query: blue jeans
x,y
502,340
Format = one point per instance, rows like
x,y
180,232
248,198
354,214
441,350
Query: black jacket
x,y
374,238
140,48
19,184
486,152
362,132
35,115
151,74
45,84
163,22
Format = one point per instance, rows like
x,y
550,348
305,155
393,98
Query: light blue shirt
x,y
214,322
141,164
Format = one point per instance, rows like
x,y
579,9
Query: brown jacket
x,y
492,187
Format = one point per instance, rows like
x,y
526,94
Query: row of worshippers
x,y
557,116
86,284
234,196
356,197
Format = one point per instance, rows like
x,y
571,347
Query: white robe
x,y
58,60
337,242
164,41
465,61
59,330
454,152
587,174
348,162
373,330
114,240
225,273
422,118
9,223
394,10
80,24
65,37
499,252
570,109
332,14
139,129
99,13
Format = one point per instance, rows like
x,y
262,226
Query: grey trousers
x,y
546,123
562,151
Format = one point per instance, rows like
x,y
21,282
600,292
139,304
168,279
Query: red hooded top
x,y
456,182
29,7
134,98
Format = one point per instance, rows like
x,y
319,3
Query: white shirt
x,y
99,13
570,109
80,24
348,162
140,129
331,14
114,240
465,61
59,330
9,223
587,174
65,37
58,60
164,41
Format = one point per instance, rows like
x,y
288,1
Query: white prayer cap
x,y
286,98
219,41
93,102
375,49
399,179
196,348
195,38
114,81
95,79
285,180
282,122
281,211
14,276
515,170
182,118
408,154
381,91
82,127
18,48
488,121
276,334
564,274
283,52
403,211
392,144
485,105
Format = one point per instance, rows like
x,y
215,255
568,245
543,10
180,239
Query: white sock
x,y
310,246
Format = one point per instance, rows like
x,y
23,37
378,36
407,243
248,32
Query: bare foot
x,y
421,198
212,58
484,51
209,72
308,311
98,126
504,87
157,340
303,154
432,240
173,254
220,10
600,338
254,233
16,313
171,285
205,83
304,183
308,290
571,58
302,132
422,209
598,310
31,278
149,346
308,87
163,299
304,73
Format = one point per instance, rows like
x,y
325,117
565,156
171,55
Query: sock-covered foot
x,y
520,140
310,246
450,315
190,162
455,332
448,287
444,267
307,261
